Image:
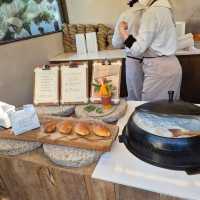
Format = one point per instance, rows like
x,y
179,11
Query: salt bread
x,y
65,127
50,127
101,130
82,129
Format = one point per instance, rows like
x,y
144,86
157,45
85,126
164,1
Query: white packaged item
x,y
24,120
5,110
180,28
185,42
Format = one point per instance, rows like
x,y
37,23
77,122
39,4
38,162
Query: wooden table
x,y
32,176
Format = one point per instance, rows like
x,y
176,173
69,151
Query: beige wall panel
x,y
16,66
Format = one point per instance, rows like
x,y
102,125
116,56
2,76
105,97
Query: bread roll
x,y
82,129
65,127
50,127
101,130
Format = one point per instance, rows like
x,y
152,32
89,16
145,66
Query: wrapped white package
x,y
185,42
5,110
180,28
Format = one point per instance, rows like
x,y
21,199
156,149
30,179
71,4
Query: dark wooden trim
x,y
190,89
63,7
28,38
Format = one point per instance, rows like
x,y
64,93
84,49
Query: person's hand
x,y
123,26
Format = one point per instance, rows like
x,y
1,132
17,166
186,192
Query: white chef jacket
x,y
157,31
132,16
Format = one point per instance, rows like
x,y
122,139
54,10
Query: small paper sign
x,y
91,41
74,84
80,44
24,120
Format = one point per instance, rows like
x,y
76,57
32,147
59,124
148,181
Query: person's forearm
x,y
125,35
117,40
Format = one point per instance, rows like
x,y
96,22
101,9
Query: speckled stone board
x,y
109,117
69,156
64,110
12,147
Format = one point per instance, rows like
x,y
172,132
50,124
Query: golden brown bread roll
x,y
101,130
82,129
65,127
50,127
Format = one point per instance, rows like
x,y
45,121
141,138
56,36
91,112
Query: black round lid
x,y
170,107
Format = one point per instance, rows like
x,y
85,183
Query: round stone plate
x,y
62,111
98,107
114,115
13,147
70,156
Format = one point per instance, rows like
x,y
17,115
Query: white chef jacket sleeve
x,y
147,33
117,40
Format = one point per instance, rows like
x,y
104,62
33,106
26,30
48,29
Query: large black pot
x,y
167,152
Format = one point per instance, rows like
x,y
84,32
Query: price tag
x,y
24,120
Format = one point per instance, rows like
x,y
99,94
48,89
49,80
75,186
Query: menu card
x,y
74,84
46,88
110,72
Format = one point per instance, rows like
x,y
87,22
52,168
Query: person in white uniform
x,y
134,72
157,43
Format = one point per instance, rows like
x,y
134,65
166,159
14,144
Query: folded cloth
x,y
185,42
5,110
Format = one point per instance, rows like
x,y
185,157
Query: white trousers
x,y
134,79
161,75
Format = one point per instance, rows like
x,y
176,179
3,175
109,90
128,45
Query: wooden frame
x,y
48,67
64,19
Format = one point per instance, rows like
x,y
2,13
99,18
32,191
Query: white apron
x,y
161,74
134,79
134,74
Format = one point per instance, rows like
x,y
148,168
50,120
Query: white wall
x,y
107,11
17,61
95,11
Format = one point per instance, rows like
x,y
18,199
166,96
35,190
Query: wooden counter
x,y
33,177
190,62
190,90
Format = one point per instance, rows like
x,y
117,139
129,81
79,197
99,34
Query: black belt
x,y
141,59
135,58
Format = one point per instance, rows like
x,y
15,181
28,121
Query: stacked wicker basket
x,y
104,35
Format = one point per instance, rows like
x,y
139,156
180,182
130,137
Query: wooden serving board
x,y
90,142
